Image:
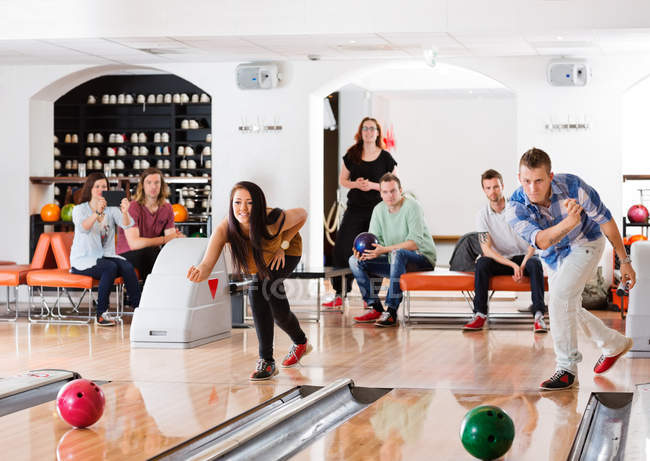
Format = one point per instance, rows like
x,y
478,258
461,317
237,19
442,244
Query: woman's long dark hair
x,y
356,150
258,229
86,190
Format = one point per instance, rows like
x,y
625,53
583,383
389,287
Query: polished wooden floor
x,y
158,398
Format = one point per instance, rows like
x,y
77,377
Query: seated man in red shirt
x,y
154,223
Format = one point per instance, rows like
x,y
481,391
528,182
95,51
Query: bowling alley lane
x,y
140,420
409,424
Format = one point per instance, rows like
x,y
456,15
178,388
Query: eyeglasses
x,y
368,128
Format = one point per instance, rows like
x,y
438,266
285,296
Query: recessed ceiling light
x,y
559,37
352,41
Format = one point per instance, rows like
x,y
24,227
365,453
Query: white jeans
x,y
566,284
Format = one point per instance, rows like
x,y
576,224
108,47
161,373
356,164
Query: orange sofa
x,y
13,275
61,278
446,280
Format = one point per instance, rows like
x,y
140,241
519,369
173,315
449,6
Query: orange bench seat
x,y
446,280
14,275
63,278
61,243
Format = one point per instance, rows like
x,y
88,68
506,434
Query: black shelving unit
x,y
37,227
643,226
73,115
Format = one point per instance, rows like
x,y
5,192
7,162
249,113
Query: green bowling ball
x,y
198,234
487,432
66,212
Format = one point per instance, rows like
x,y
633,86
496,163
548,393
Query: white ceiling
x,y
326,47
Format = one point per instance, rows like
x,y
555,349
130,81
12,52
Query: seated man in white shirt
x,y
504,253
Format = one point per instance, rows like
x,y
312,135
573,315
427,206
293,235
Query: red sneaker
x,y
296,352
336,302
476,324
540,325
368,317
605,363
366,306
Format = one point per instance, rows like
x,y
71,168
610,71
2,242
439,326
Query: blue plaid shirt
x,y
527,219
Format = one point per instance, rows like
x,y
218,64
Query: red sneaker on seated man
x,y
504,253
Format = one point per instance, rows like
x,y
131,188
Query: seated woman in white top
x,y
93,248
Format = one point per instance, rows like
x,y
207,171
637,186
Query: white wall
x,y
444,143
287,165
16,161
594,154
381,111
636,146
279,163
355,103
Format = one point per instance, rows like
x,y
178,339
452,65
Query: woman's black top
x,y
372,171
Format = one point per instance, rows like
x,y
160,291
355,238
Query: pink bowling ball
x,y
80,403
637,214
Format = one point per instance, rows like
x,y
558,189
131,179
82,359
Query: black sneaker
x,y
561,380
387,319
104,320
264,370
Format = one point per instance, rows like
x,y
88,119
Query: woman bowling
x,y
265,243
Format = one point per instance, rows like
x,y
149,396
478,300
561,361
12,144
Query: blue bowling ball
x,y
364,241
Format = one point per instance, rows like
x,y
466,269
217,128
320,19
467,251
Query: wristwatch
x,y
285,244
626,261
99,213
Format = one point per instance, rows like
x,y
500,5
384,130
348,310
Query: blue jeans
x,y
402,261
106,270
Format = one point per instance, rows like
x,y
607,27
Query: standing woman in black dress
x,y
364,163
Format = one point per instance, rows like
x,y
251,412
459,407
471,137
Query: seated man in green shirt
x,y
405,245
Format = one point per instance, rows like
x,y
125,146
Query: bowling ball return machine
x,y
637,323
175,313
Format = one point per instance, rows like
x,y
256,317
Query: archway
x,y
417,81
42,116
159,123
